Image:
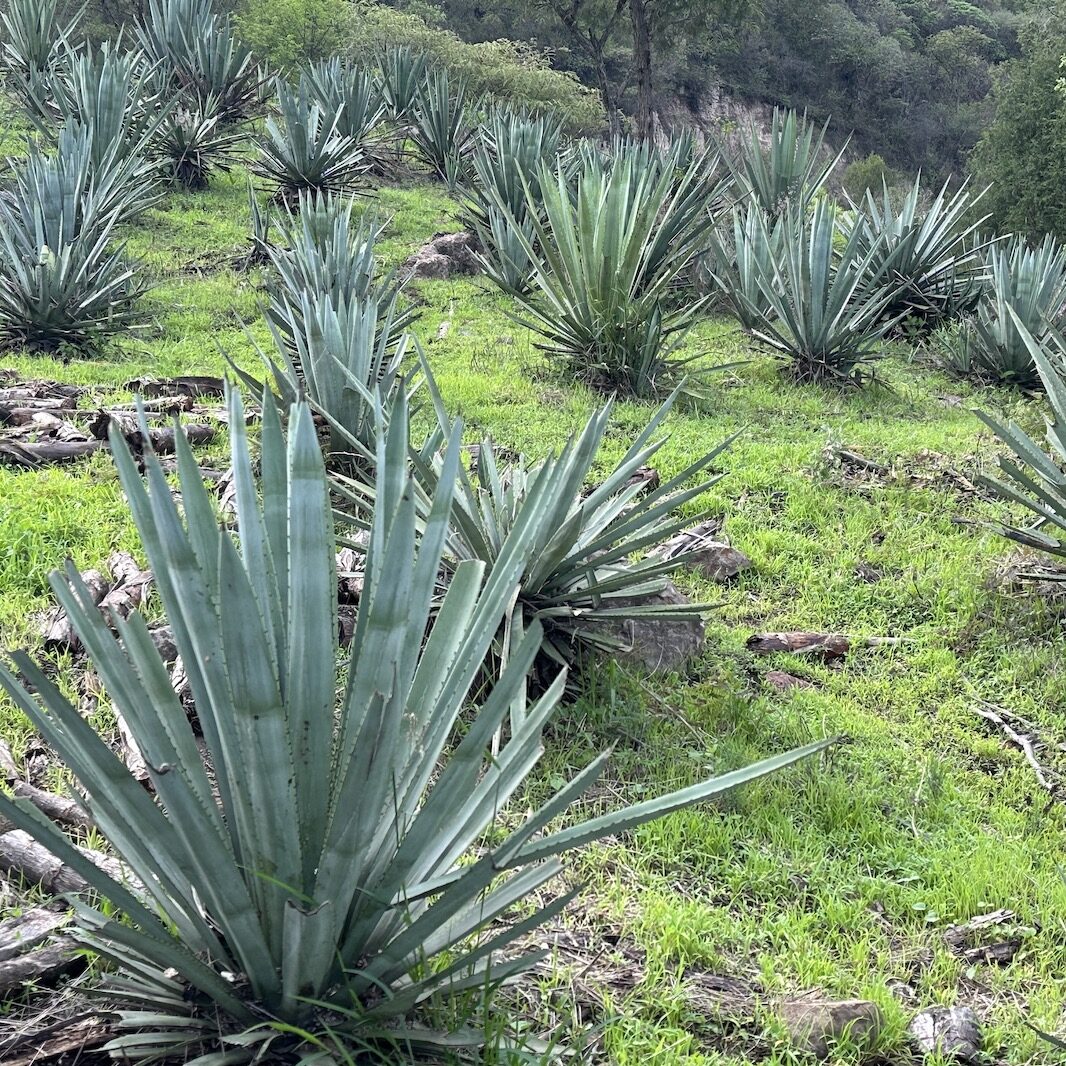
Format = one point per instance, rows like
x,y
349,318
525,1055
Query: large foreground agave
x,y
337,854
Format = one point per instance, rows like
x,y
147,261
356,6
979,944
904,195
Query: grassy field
x,y
838,878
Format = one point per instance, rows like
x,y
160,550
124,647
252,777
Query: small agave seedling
x,y
333,851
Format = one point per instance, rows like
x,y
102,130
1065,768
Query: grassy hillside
x,y
840,877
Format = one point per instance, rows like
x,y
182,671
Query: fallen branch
x,y
188,385
69,1035
56,451
1025,744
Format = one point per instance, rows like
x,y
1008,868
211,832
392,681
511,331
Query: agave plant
x,y
440,128
826,313
324,253
934,256
584,578
790,170
305,152
32,45
202,58
401,73
736,264
1034,478
110,91
322,869
192,144
345,357
62,283
607,253
504,169
350,92
1031,283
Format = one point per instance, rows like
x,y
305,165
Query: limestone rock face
x,y
446,255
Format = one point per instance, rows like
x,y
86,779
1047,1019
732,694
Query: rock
x,y
781,681
665,643
446,255
815,1025
952,1032
706,552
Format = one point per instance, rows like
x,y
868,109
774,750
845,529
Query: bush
x,y
870,174
507,71
344,841
289,33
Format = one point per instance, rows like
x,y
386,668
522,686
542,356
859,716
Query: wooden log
x,y
187,385
22,934
36,454
819,645
21,855
130,588
32,393
62,809
41,966
75,1035
23,414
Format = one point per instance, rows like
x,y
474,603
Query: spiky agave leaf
x,y
325,863
826,313
790,170
348,90
504,169
611,246
935,253
306,152
1035,478
1031,283
741,252
591,565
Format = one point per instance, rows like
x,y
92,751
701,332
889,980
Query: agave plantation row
x,y
339,854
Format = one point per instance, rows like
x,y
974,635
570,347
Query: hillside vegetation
x,y
360,755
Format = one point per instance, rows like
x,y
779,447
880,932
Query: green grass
x,y
839,877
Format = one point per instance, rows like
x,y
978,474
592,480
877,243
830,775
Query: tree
x,y
1023,150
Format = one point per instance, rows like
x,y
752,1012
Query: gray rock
x,y
954,1032
814,1025
706,552
655,643
446,255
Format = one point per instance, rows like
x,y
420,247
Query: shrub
x,y
304,152
608,252
332,846
1034,478
867,175
62,285
1028,285
290,33
790,170
933,256
826,312
508,72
